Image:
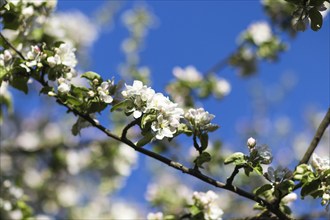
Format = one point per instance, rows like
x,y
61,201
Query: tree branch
x,y
317,137
11,46
176,165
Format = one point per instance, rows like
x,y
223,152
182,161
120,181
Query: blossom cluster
x,y
144,100
200,120
206,202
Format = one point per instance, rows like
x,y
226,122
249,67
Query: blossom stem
x,y
127,127
232,176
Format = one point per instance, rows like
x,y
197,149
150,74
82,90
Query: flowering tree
x,y
48,162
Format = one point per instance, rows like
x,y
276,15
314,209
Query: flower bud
x,y
95,81
91,93
51,93
251,142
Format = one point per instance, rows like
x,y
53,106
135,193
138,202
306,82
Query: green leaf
x,y
96,106
3,72
212,127
260,190
145,140
72,100
120,105
237,158
204,141
316,2
91,76
46,89
183,128
20,83
258,169
203,158
80,124
310,187
146,118
316,19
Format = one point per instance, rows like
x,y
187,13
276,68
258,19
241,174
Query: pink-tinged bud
x,y
251,142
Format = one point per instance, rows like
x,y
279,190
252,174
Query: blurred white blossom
x,y
155,216
189,74
207,203
222,87
260,32
73,27
67,195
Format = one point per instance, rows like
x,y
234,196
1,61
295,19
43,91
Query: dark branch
x,y
317,137
11,46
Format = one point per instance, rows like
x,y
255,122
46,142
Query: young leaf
x,y
204,141
145,140
91,76
263,189
316,19
203,158
147,118
310,187
236,158
120,105
20,83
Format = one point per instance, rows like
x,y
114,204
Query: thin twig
x,y
221,64
127,127
317,137
11,46
232,176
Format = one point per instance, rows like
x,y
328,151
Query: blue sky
x,y
200,33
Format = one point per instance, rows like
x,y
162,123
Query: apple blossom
x,y
139,95
260,32
103,91
189,74
200,119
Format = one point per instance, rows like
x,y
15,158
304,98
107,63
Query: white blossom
x,y
251,142
320,164
199,118
290,197
67,195
28,140
168,117
73,27
155,216
260,32
16,214
222,87
103,91
206,202
64,86
139,94
28,11
189,74
6,56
